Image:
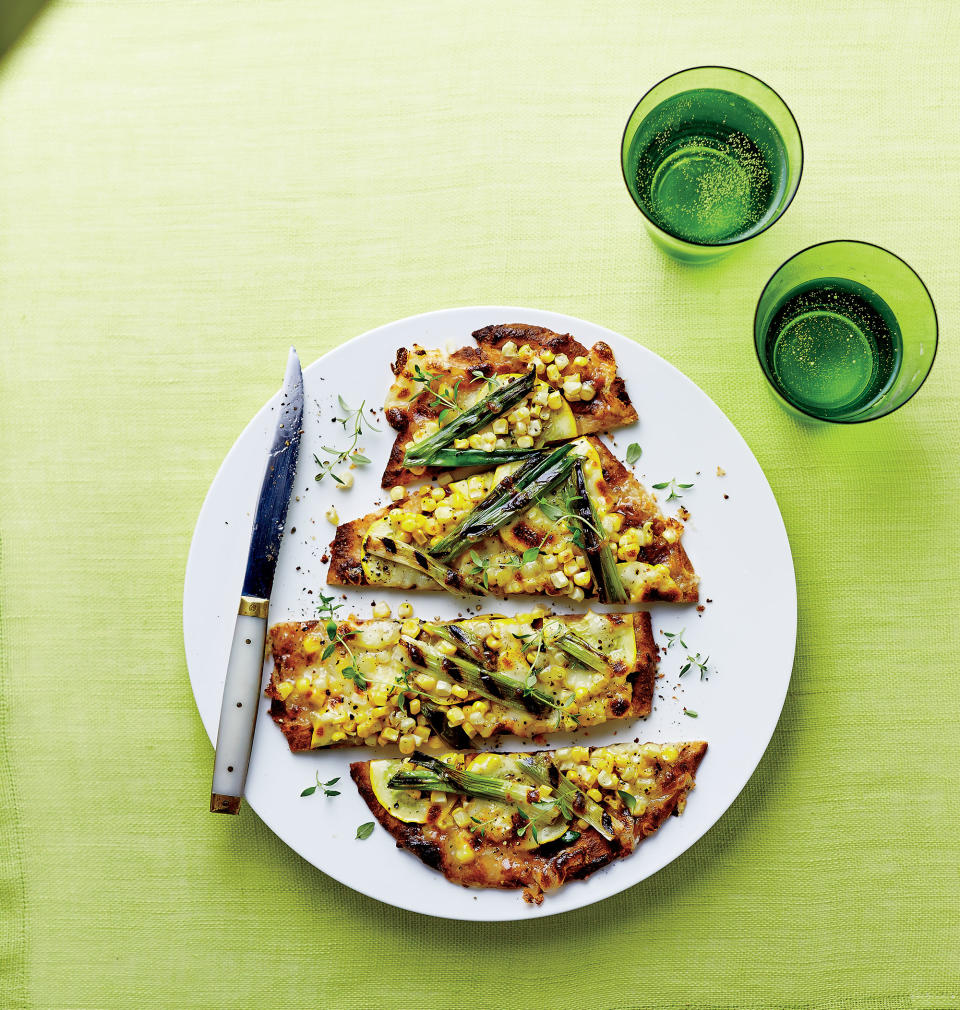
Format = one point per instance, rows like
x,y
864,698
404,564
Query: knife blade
x,y
241,688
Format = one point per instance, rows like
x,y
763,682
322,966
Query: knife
x,y
241,689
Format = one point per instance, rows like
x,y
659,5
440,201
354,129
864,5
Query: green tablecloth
x,y
185,189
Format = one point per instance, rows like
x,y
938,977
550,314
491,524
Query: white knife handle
x,y
238,710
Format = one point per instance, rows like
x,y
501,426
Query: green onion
x,y
489,684
447,779
568,795
450,458
466,642
436,716
403,554
499,402
583,652
543,472
602,562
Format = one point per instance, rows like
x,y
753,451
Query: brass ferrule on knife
x,y
253,606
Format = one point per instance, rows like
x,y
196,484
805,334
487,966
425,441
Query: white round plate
x,y
735,538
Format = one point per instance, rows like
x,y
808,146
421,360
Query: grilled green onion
x,y
599,554
447,779
490,684
436,716
403,554
543,472
493,405
546,773
466,642
451,458
583,652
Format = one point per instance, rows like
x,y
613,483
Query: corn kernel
x,y
538,366
565,555
461,818
443,688
346,481
509,349
410,628
407,744
405,610
628,551
303,683
550,562
555,400
414,706
534,427
500,426
571,568
464,852
579,361
408,523
553,374
561,361
576,594
379,694
381,610
520,428
427,683
284,690
669,753
390,734
476,718
525,442
418,471
397,493
428,505
612,522
332,516
525,353
546,356
455,715
443,479
595,795
571,390
607,780
459,691
587,391
461,443
469,729
559,580
492,641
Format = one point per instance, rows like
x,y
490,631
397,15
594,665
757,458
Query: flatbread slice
x,y
557,816
413,683
538,552
577,392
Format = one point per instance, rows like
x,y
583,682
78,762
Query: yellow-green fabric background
x,y
188,187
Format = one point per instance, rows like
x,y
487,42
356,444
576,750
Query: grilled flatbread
x,y
414,684
557,816
539,551
576,392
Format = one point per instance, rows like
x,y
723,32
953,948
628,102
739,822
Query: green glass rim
x,y
843,420
728,242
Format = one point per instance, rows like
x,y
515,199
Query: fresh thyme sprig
x,y
440,399
695,661
490,382
480,567
323,786
327,611
673,485
673,637
357,419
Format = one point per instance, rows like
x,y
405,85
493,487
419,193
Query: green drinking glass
x,y
712,157
845,332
